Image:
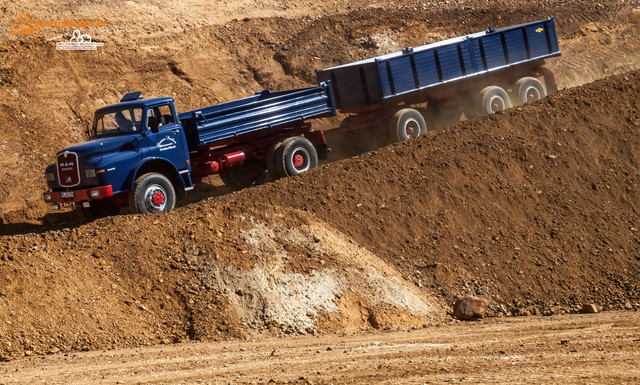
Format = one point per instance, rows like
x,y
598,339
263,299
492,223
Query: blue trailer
x,y
142,154
484,72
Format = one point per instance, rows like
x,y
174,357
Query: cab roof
x,y
138,103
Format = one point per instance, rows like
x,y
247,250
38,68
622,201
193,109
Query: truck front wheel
x,y
152,193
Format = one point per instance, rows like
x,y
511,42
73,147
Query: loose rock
x,y
589,308
470,308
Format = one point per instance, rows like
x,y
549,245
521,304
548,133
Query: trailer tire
x,y
406,124
271,160
493,99
527,89
152,193
295,155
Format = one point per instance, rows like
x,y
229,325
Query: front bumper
x,y
74,196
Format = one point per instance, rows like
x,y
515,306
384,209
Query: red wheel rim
x,y
157,198
497,104
412,128
298,160
532,94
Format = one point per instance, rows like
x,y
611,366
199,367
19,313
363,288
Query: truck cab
x,y
128,140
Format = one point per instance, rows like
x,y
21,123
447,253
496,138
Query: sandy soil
x,y
578,349
534,209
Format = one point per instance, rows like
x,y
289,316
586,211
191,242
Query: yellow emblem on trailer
x,y
539,29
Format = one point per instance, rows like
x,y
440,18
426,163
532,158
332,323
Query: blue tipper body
x,y
414,69
263,111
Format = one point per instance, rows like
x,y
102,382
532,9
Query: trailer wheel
x,y
152,193
526,90
295,155
406,124
271,160
493,99
243,178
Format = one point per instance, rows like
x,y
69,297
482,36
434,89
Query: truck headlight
x,y
47,197
90,173
94,193
50,177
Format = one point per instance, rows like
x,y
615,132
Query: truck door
x,y
166,138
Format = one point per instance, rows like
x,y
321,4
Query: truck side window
x,y
165,115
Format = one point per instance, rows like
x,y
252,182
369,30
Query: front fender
x,y
154,164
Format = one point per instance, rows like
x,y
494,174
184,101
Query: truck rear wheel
x,y
152,193
406,124
493,99
527,89
295,155
271,160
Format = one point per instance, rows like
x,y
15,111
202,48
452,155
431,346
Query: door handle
x,y
175,131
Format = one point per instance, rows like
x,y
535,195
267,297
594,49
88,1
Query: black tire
x,y
243,178
99,208
438,117
493,99
406,124
152,193
527,89
296,155
271,160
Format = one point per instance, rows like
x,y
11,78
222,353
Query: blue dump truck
x,y
144,155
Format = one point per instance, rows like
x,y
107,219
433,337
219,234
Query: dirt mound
x,y
534,208
226,272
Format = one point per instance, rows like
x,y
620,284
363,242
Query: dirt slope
x,y
534,208
235,48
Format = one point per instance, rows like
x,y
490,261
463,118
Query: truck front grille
x,y
68,169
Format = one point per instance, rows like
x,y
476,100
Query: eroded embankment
x,y
534,208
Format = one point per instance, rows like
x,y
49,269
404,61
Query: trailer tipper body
x,y
144,155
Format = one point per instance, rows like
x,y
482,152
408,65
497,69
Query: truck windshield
x,y
118,122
